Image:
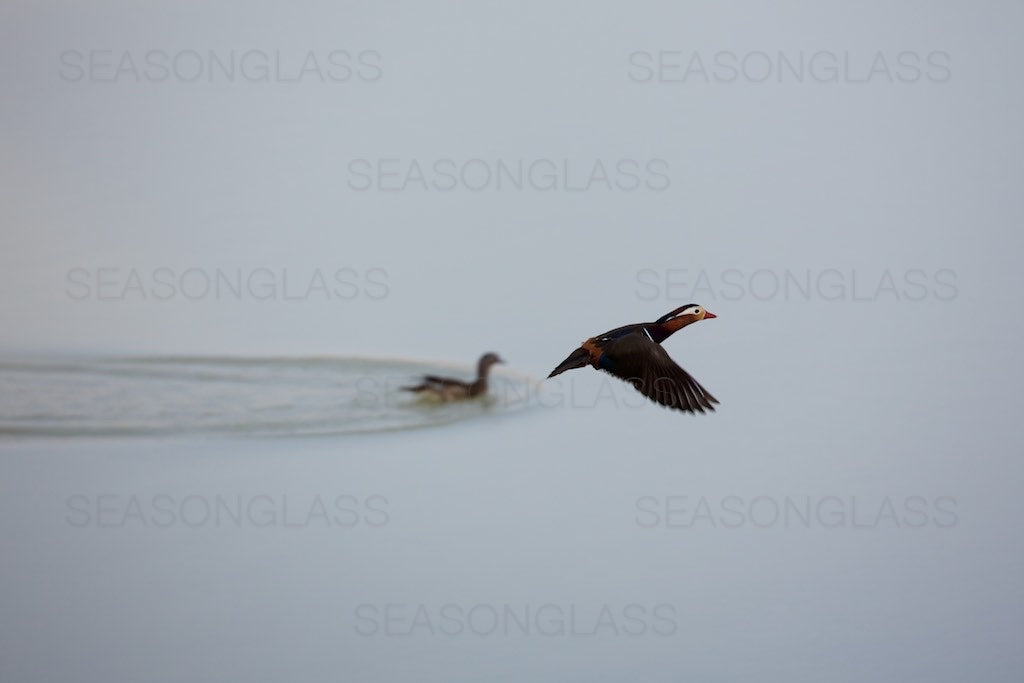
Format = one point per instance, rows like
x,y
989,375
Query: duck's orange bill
x,y
709,314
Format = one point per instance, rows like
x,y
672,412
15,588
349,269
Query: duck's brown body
x,y
451,389
634,353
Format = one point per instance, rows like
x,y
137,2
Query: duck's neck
x,y
480,385
661,331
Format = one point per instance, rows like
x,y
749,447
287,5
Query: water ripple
x,y
234,396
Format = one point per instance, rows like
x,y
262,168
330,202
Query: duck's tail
x,y
580,358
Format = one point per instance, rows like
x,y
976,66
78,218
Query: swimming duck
x,y
634,353
450,389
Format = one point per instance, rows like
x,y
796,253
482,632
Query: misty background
x,y
839,184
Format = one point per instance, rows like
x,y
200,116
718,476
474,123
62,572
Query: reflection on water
x,y
233,396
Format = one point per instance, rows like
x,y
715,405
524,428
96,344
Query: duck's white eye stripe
x,y
648,333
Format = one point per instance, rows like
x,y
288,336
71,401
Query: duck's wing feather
x,y
648,367
444,381
435,383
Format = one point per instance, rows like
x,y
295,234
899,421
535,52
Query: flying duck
x,y
634,353
450,389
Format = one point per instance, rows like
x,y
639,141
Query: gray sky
x,y
839,183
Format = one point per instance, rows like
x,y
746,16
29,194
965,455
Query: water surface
x,y
233,396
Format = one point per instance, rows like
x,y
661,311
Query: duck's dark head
x,y
486,361
683,316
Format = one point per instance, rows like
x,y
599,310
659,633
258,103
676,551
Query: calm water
x,y
232,396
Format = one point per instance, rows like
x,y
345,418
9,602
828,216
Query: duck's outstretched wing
x,y
652,372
